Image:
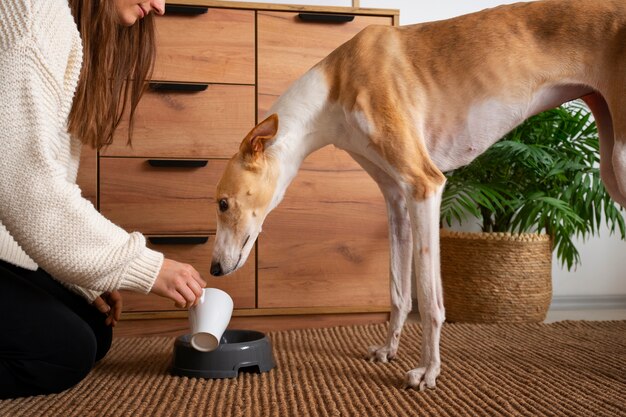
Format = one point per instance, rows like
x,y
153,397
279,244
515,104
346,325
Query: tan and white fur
x,y
409,103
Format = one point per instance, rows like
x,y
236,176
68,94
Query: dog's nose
x,y
216,269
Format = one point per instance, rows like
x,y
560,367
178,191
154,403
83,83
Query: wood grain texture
x,y
326,244
203,124
87,178
177,327
153,200
216,47
250,312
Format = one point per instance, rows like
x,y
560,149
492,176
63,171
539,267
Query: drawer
x,y
217,47
196,251
87,178
326,244
159,200
289,46
171,122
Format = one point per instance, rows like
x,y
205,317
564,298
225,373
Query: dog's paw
x,y
422,378
381,354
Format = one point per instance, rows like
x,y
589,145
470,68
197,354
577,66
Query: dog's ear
x,y
255,142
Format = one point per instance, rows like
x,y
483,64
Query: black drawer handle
x,y
160,86
325,17
178,163
178,240
188,10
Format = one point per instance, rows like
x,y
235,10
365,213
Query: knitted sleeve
x,y
40,206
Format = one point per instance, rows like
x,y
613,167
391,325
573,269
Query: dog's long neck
x,y
304,128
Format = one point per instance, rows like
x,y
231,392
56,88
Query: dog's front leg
x,y
425,226
401,245
400,242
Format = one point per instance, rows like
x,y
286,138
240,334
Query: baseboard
x,y
588,302
576,302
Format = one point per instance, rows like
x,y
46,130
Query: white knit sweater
x,y
44,219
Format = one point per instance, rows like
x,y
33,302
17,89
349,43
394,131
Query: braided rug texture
x,y
558,369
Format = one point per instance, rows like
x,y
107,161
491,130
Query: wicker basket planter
x,y
496,277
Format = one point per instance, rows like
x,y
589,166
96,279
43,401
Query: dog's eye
x,y
223,204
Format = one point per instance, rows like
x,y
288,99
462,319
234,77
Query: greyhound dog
x,y
409,103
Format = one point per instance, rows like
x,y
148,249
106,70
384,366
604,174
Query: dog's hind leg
x,y
401,245
608,149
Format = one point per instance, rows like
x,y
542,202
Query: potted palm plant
x,y
532,192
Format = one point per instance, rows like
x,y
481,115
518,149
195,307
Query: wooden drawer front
x,y
326,244
240,285
152,200
216,47
201,124
288,47
87,178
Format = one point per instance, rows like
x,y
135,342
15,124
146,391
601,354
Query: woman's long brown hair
x,y
116,62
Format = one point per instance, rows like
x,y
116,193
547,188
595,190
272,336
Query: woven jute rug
x,y
559,369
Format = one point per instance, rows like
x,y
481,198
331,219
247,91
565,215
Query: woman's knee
x,y
65,359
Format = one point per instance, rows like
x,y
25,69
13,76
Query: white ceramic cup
x,y
209,319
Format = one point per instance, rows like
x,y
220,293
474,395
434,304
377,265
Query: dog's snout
x,y
216,269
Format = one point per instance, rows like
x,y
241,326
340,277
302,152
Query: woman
x,y
68,69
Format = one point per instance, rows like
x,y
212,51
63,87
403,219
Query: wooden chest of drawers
x,y
323,256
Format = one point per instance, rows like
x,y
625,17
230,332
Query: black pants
x,y
50,337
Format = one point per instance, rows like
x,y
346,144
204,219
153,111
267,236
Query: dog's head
x,y
243,197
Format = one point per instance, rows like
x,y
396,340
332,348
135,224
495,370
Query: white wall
x,y
416,11
411,11
603,269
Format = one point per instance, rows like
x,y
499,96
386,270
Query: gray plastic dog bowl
x,y
238,350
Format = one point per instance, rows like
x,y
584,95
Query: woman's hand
x,y
180,283
110,303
